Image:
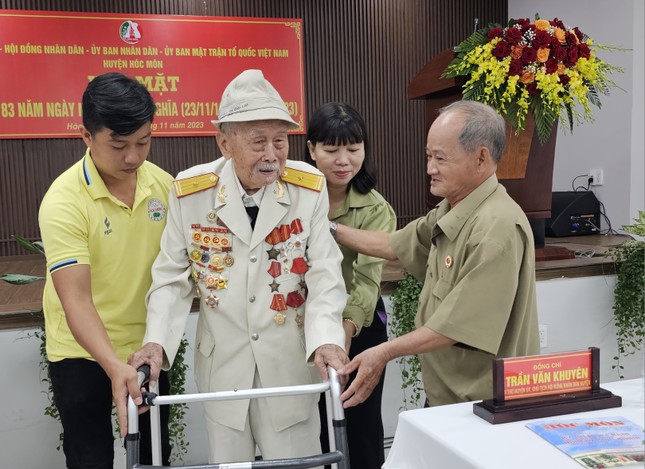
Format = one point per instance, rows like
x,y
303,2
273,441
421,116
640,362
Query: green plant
x,y
176,419
176,375
405,301
629,293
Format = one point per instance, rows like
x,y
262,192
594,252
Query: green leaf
x,y
544,120
31,246
569,109
20,279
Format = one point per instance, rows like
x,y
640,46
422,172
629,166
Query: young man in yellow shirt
x,y
101,223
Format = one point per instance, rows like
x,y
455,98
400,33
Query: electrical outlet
x,y
542,329
596,177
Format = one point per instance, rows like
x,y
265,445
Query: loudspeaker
x,y
573,214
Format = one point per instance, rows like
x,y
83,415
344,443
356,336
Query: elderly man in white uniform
x,y
248,233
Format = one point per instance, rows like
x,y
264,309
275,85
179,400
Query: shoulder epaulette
x,y
191,185
303,179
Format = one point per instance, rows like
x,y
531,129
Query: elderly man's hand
x,y
331,355
150,354
370,365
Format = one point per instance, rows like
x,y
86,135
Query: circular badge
x,y
196,255
211,216
130,32
216,261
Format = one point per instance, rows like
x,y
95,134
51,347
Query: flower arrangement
x,y
544,67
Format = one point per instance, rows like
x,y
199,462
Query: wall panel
x,y
361,51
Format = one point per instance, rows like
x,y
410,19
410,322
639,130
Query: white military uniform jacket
x,y
255,311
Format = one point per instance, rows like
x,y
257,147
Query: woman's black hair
x,y
342,124
116,102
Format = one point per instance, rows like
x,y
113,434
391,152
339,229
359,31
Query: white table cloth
x,y
452,437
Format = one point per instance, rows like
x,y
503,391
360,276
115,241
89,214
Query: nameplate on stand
x,y
540,386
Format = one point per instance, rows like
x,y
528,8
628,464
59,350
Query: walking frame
x,y
338,455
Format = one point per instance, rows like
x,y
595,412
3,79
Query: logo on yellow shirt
x,y
108,230
156,210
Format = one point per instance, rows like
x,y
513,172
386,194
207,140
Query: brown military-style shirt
x,y
477,262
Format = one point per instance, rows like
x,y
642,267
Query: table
x,y
452,437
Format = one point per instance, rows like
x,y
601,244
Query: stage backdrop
x,y
48,58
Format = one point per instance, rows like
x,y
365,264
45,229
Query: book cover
x,y
600,443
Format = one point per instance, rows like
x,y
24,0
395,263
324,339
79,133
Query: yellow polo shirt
x,y
82,223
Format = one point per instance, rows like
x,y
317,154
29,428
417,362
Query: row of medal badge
x,y
211,252
290,258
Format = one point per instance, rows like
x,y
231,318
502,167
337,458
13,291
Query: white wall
x,y
615,142
576,311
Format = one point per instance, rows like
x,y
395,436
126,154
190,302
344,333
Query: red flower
x,y
579,34
557,23
522,21
501,50
558,53
529,55
551,66
571,57
542,39
583,50
571,39
525,25
532,88
564,79
515,67
495,32
513,36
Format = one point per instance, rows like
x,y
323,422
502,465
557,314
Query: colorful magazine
x,y
599,443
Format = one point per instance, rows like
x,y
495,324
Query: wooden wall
x,y
364,52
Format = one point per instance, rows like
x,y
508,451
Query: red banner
x,y
47,59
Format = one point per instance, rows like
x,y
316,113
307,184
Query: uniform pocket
x,y
441,288
203,358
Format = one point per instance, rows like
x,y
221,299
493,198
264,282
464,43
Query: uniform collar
x,y
229,206
353,200
451,221
249,200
